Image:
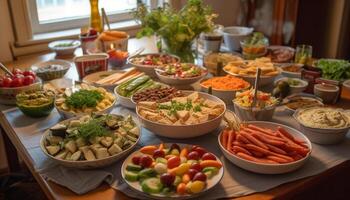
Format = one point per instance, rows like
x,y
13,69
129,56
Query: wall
x,y
5,32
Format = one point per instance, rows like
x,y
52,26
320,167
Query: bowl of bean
x,y
159,95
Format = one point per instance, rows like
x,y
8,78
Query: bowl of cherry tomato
x,y
180,73
148,62
172,171
21,81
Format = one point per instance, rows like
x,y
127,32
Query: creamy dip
x,y
318,117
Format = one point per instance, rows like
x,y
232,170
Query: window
x,y
54,15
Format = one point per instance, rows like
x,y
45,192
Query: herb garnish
x,y
177,106
88,98
92,128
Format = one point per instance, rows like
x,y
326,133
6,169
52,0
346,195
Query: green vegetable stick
x,y
137,82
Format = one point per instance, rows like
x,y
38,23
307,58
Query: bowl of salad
x,y
172,171
148,62
254,46
180,73
262,111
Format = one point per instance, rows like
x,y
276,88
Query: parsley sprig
x,y
177,106
88,98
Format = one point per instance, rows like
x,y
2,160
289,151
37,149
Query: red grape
x,y
145,161
136,160
196,166
174,162
208,156
200,177
200,151
175,146
194,155
192,172
167,179
158,153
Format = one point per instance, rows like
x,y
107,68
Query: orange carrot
x,y
267,140
285,157
230,139
257,148
264,135
181,188
148,149
161,146
247,157
184,152
266,131
186,178
254,140
276,149
257,154
277,159
237,149
224,139
210,163
242,139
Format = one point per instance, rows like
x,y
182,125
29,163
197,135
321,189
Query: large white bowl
x,y
300,95
184,131
248,114
69,50
233,35
124,101
290,74
85,164
269,168
225,95
264,80
181,81
322,135
294,89
136,186
147,69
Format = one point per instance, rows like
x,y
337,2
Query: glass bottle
x,y
95,17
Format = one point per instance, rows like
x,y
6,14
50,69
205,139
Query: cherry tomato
x,y
158,153
1,82
208,156
17,81
200,151
16,71
200,177
7,82
136,160
192,172
145,161
27,80
193,155
196,166
174,162
29,73
167,179
92,32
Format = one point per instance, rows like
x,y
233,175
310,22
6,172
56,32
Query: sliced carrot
x,y
224,139
161,146
184,152
210,163
254,140
186,178
148,149
181,188
230,139
237,149
168,156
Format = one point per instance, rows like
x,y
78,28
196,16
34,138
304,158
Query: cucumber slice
x,y
147,173
166,190
161,160
214,170
131,176
177,180
152,185
133,167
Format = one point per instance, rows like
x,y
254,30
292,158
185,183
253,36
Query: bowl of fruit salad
x,y
176,171
180,73
21,81
148,62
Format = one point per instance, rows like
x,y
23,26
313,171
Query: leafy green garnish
x,y
92,128
334,69
88,98
177,106
197,108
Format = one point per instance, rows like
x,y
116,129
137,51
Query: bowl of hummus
x,y
323,125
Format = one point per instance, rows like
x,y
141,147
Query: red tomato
x,y
27,80
17,81
174,162
1,82
193,155
16,71
200,150
29,73
136,160
145,161
196,166
7,82
208,156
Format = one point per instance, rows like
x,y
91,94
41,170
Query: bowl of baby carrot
x,y
265,147
224,87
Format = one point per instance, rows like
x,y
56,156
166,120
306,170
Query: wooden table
x,y
303,188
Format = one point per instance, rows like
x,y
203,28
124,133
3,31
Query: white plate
x,y
136,186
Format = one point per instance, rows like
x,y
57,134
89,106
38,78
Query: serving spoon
x,y
4,68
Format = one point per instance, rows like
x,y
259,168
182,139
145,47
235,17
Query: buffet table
x,y
24,142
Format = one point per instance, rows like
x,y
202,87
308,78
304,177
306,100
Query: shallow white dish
x,y
322,135
269,168
85,164
302,96
135,186
290,74
184,131
264,80
68,50
294,89
180,81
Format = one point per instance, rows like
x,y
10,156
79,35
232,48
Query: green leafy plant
x,y
334,69
177,29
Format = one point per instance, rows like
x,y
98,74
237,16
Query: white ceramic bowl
x,y
85,164
136,186
124,101
248,114
322,135
52,74
328,93
290,74
294,89
264,80
147,69
225,95
302,96
184,131
269,168
8,94
69,50
181,81
234,34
